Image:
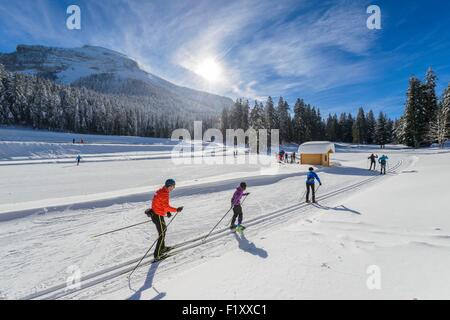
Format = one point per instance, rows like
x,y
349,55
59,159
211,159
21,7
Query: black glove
x,y
320,183
149,212
179,209
169,215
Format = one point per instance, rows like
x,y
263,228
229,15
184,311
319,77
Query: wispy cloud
x,y
293,48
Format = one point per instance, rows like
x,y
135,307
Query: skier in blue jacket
x,y
383,161
311,178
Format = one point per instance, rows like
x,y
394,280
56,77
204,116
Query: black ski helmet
x,y
169,182
311,169
243,185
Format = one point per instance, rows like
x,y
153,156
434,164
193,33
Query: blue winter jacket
x,y
383,159
311,177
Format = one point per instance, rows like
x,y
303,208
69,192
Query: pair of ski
x,y
239,229
166,254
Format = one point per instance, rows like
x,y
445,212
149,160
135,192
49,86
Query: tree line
x,y
305,123
426,117
425,120
42,104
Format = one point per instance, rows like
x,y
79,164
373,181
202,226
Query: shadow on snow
x,y
148,284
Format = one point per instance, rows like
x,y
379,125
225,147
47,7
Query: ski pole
x,y
232,206
303,195
134,225
145,255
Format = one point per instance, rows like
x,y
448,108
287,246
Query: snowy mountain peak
x,y
69,65
105,71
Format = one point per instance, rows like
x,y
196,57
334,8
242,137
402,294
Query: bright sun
x,y
209,69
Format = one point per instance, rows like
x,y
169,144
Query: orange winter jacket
x,y
160,203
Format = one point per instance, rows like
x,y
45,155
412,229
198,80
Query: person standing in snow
x,y
373,161
293,158
160,209
237,208
311,178
78,158
383,162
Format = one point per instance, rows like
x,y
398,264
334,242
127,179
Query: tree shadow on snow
x,y
338,208
249,247
148,283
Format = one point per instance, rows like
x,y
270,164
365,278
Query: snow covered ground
x,y
397,225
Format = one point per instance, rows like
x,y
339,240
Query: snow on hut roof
x,y
316,147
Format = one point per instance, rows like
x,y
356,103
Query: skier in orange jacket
x,y
160,209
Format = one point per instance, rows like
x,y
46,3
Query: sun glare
x,y
209,69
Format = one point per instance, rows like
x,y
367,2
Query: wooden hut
x,y
316,153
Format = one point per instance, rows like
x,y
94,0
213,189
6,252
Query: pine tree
x,y
359,129
429,95
284,119
446,102
257,117
439,127
245,123
271,115
416,115
299,122
3,107
225,121
332,125
382,130
370,127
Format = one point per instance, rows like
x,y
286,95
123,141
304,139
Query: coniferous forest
x,y
425,120
42,104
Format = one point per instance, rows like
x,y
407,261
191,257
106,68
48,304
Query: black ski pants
x,y
383,168
311,188
161,227
237,213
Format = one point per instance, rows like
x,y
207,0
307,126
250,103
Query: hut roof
x,y
316,147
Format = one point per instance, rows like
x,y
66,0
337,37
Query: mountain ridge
x,y
106,71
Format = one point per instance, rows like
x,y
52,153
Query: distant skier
x,y
160,209
73,141
383,162
373,162
293,157
78,158
311,178
237,208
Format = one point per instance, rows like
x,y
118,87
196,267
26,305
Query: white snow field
x,y
370,236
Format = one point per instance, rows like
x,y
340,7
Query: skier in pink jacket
x,y
237,208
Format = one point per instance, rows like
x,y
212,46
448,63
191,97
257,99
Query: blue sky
x,y
320,51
